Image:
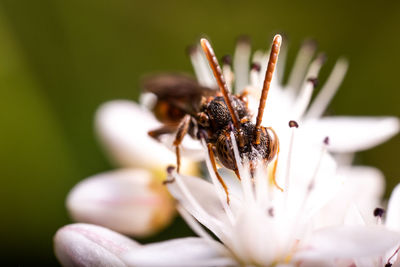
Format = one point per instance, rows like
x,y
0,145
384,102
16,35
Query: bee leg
x,y
237,174
180,134
243,96
276,160
165,129
214,165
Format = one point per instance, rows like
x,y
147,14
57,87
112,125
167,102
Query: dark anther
x,y
314,81
255,66
378,212
170,169
271,212
191,49
227,60
388,264
243,39
326,140
293,124
168,181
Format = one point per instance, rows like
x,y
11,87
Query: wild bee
x,y
213,115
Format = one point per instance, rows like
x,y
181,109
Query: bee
x,y
214,116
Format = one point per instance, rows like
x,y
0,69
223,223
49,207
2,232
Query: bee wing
x,y
174,86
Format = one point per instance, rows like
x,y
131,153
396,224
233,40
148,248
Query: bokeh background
x,y
60,59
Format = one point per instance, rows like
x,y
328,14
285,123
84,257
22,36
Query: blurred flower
x,y
131,200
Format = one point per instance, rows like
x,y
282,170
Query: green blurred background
x,y
59,60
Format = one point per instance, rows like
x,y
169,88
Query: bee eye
x,y
203,119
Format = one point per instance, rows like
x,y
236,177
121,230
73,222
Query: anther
x,y
170,169
326,140
168,181
314,81
255,66
227,60
245,39
293,124
271,212
378,212
388,264
191,49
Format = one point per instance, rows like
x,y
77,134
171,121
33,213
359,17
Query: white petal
x,y
200,199
350,242
180,252
350,134
122,126
365,186
128,201
393,210
90,245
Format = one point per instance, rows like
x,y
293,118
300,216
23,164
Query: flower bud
x,y
129,201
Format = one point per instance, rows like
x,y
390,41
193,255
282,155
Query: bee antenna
x,y
213,61
273,58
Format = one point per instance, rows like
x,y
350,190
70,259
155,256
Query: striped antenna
x,y
273,58
213,61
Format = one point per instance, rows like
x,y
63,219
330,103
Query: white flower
x,y
262,226
130,200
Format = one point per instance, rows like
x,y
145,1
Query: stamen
x,y
244,173
218,187
255,77
323,151
193,223
388,264
261,184
329,90
314,68
303,100
293,125
227,71
241,63
299,69
205,218
260,58
201,68
311,184
378,213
